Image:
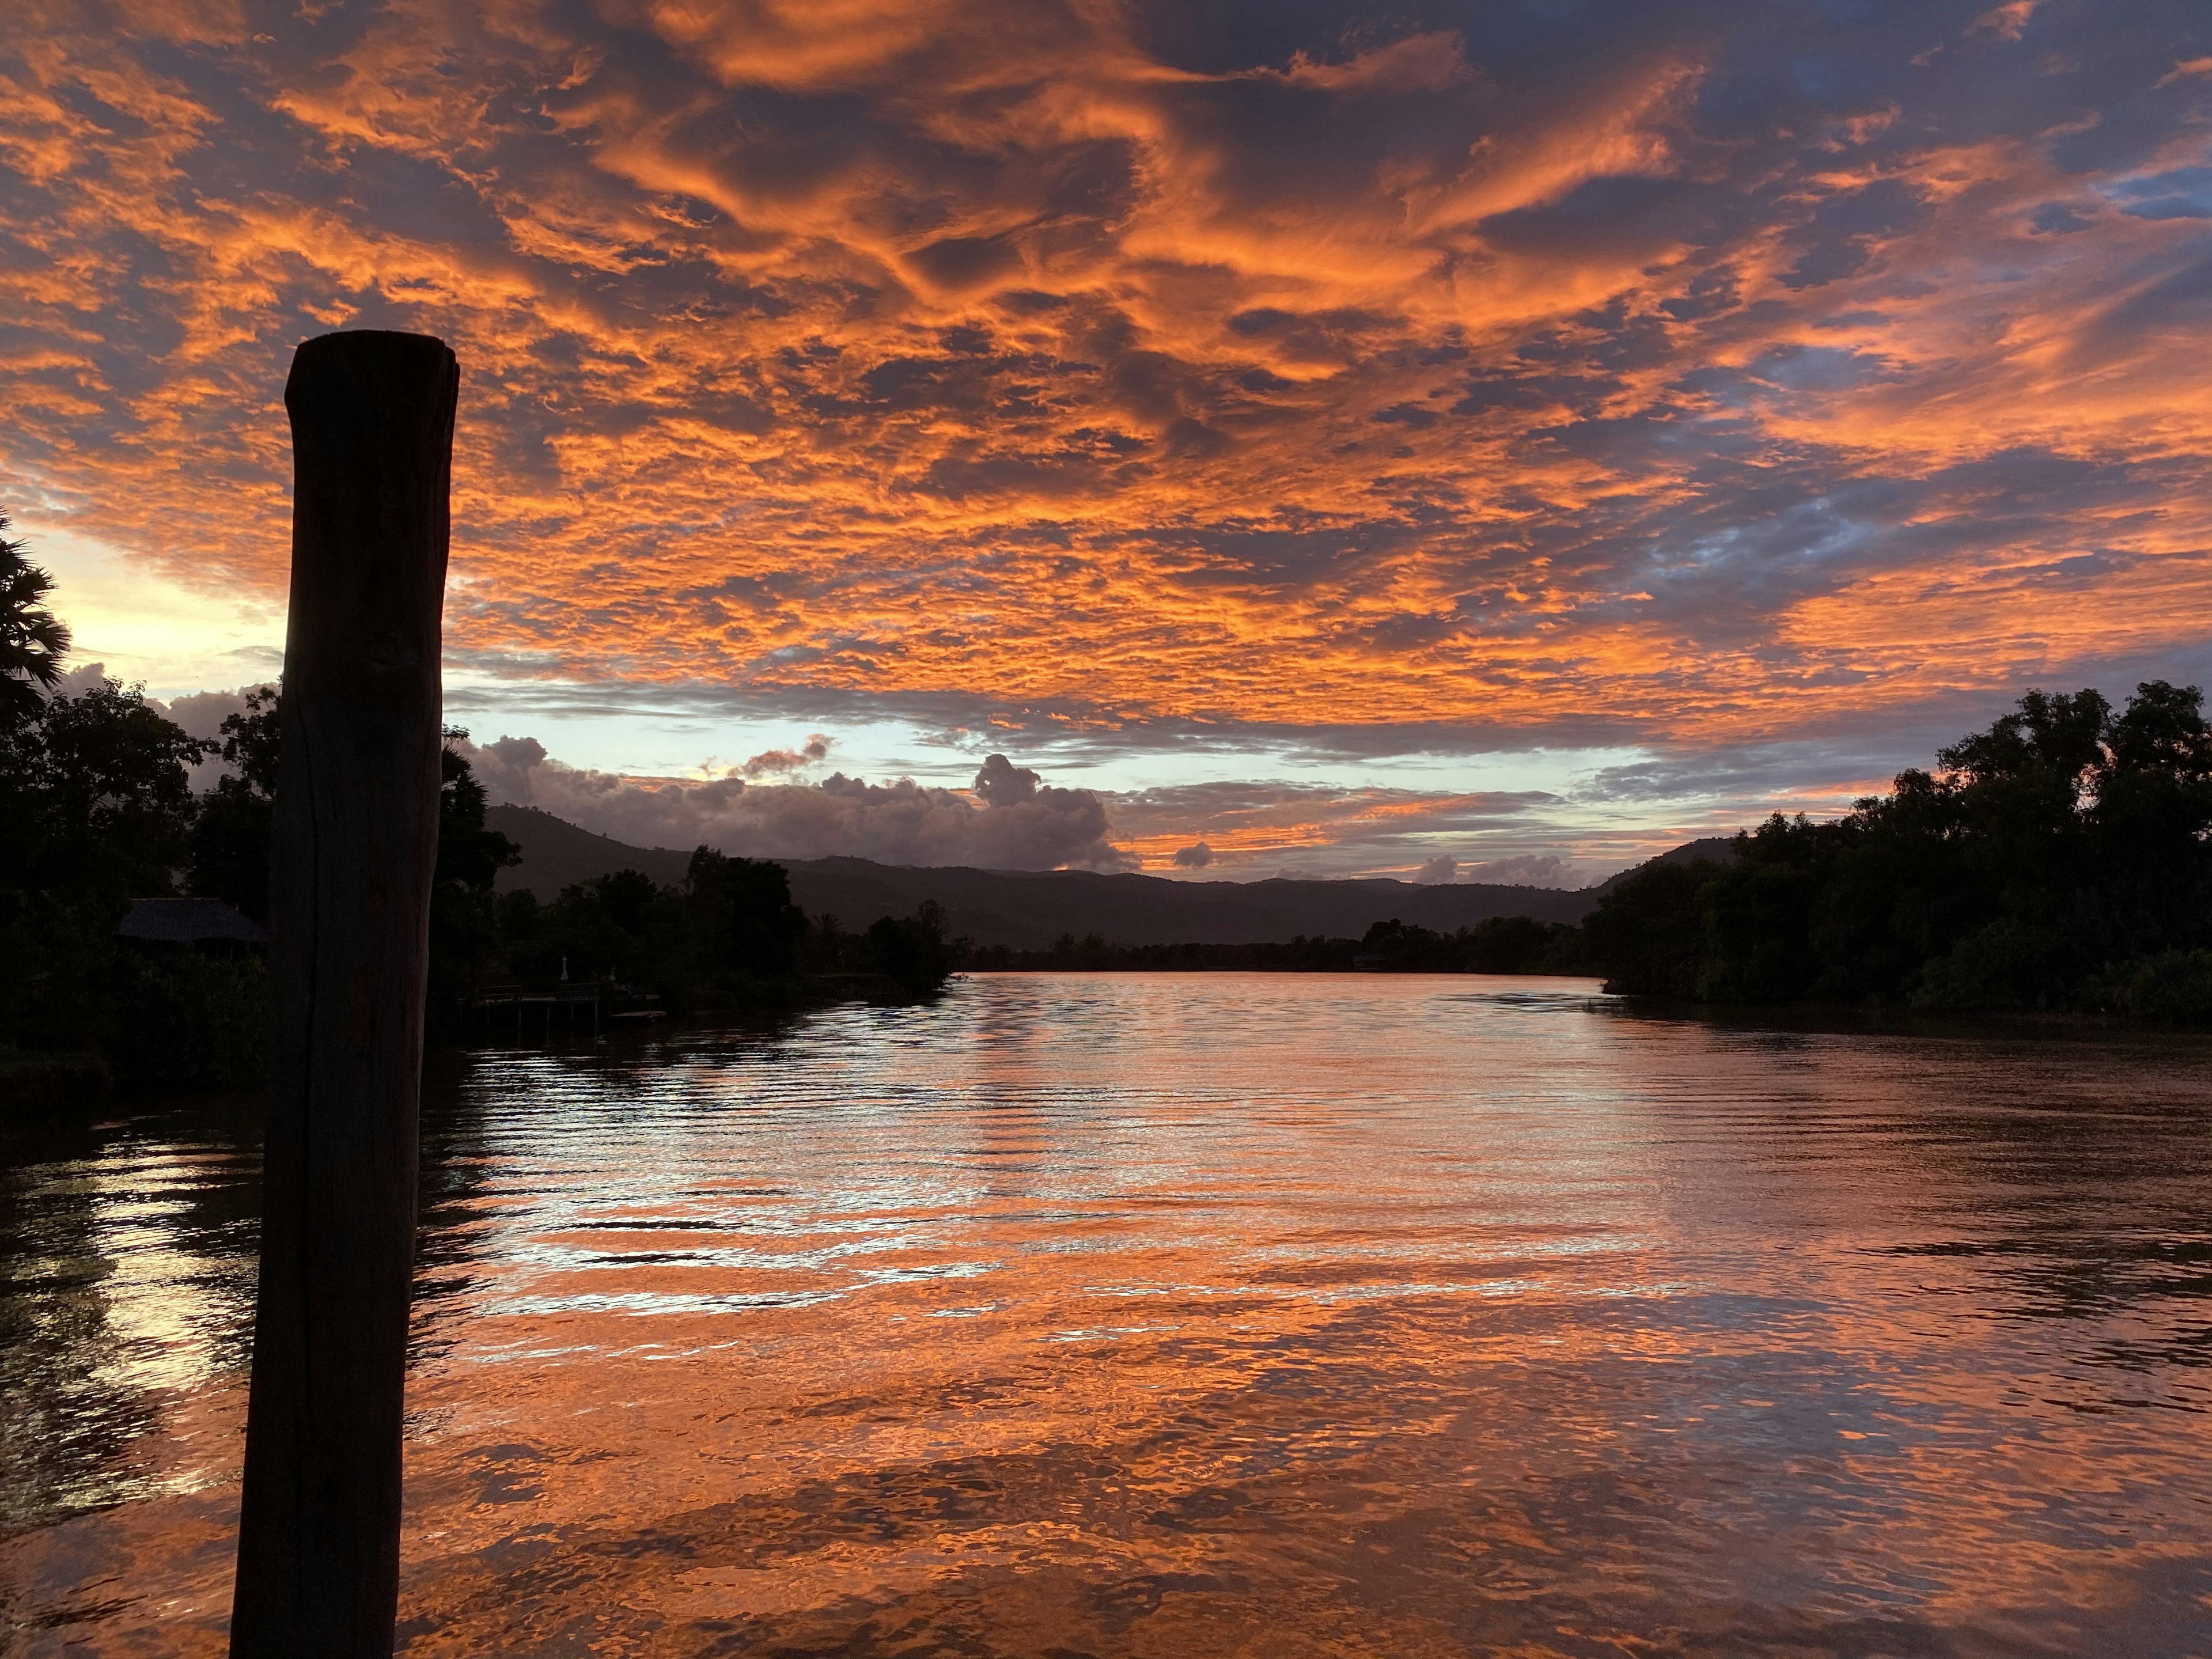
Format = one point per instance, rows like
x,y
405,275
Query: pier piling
x,y
354,843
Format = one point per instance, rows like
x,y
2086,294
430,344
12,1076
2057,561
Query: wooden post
x,y
352,844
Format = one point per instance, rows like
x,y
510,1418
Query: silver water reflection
x,y
1278,1314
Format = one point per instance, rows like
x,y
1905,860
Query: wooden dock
x,y
567,1008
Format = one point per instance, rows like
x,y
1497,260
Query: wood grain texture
x,y
353,844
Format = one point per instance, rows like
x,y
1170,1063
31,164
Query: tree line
x,y
2059,860
97,810
1501,944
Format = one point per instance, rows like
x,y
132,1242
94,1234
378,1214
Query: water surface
x,y
1166,1314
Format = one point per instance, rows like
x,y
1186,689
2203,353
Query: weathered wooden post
x,y
352,848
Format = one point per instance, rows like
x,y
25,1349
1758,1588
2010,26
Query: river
x,y
1198,1315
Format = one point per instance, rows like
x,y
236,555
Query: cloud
x,y
1008,821
1541,870
1249,826
2006,21
1069,369
199,714
86,676
203,713
781,761
1524,870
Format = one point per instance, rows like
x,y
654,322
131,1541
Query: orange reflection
x,y
1150,1314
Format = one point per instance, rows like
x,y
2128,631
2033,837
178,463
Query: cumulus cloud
x,y
199,714
203,713
1009,820
1530,870
773,762
85,677
1520,870
1196,856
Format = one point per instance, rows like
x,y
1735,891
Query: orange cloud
x,y
1087,368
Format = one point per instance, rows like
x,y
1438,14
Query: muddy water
x,y
1191,1315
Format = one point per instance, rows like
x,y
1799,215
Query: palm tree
x,y
33,640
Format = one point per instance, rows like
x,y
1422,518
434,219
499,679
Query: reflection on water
x,y
1157,1315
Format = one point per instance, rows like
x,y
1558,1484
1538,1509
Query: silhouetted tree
x,y
748,928
95,810
621,926
464,925
99,795
32,641
230,837
1648,934
2062,856
911,950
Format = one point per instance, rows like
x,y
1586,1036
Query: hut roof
x,y
190,919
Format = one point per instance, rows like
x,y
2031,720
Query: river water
x,y
1194,1314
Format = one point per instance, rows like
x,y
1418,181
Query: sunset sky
x,y
1505,439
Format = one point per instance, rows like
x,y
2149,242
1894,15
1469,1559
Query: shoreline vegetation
x,y
2054,868
2057,866
97,814
1502,945
2055,863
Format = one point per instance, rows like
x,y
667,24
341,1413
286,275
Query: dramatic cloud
x,y
1709,377
1255,829
773,762
1008,821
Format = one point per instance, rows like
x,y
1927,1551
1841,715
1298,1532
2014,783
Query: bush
x,y
910,949
2172,987
2007,965
190,1019
1648,935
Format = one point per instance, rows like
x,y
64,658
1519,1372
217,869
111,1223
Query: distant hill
x,y
1714,849
556,854
1028,909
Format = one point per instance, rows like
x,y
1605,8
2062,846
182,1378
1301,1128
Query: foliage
x,y
95,810
746,929
32,641
2172,987
621,929
2058,858
94,796
1502,945
1647,934
188,1019
230,836
1299,955
911,952
464,918
729,936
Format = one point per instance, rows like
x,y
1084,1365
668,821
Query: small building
x,y
191,922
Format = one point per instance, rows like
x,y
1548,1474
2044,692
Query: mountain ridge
x,y
1028,909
